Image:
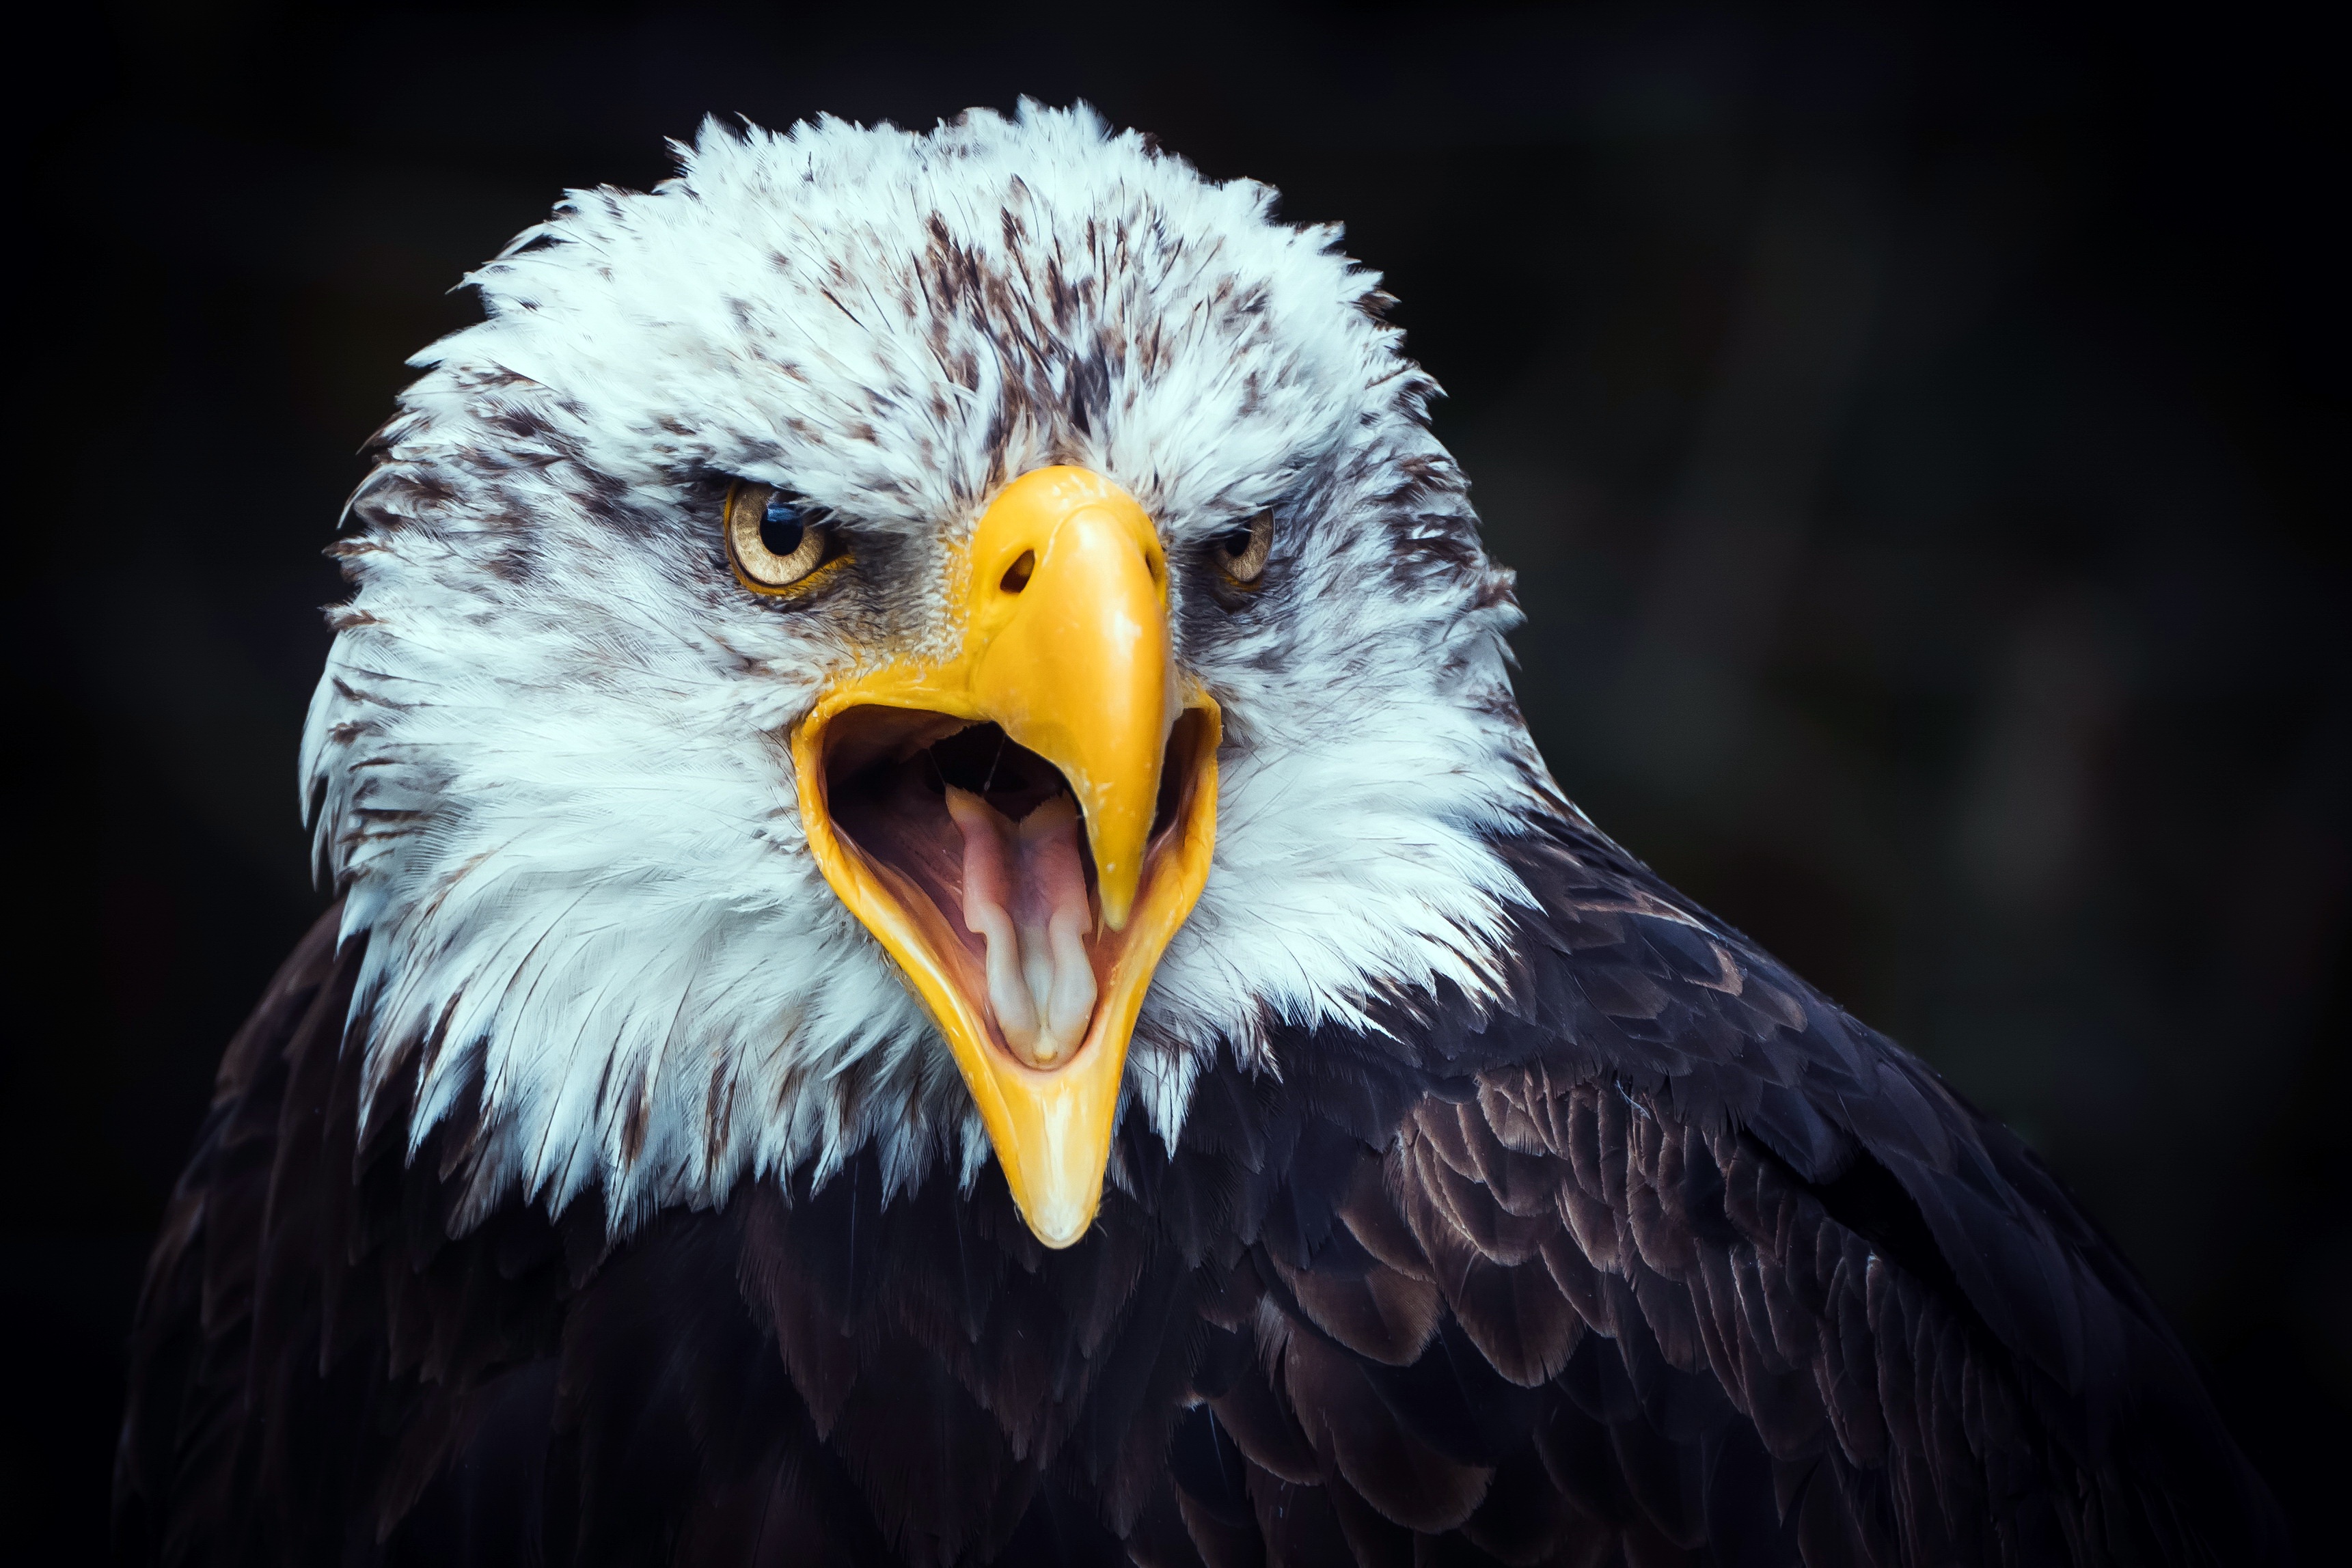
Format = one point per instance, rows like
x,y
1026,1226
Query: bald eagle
x,y
950,948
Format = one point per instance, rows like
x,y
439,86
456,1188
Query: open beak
x,y
1025,823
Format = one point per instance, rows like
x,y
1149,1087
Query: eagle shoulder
x,y
1665,1254
1658,1256
328,1365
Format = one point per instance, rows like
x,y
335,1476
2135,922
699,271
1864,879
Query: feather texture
x,y
1523,1286
544,759
588,1188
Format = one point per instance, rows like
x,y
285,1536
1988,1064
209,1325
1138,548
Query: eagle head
x,y
908,642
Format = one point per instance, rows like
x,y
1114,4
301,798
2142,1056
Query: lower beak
x,y
1025,824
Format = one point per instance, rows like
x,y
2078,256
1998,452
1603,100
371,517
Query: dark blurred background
x,y
1917,435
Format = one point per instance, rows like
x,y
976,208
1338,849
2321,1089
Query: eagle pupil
x,y
1236,544
781,526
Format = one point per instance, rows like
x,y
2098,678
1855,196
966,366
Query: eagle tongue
x,y
1024,893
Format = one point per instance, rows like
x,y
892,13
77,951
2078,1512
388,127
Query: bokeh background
x,y
1918,432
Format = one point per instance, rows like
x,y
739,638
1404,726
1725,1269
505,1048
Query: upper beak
x,y
1065,646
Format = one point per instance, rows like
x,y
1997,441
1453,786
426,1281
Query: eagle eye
x,y
1240,552
774,537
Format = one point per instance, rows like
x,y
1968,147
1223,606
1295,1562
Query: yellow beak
x,y
1063,593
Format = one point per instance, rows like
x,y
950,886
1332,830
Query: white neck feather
x,y
544,758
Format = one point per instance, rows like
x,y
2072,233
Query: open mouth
x,y
1024,817
981,847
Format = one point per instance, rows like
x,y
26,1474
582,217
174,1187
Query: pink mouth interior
x,y
1024,893
989,833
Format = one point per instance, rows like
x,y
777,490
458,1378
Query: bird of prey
x,y
950,948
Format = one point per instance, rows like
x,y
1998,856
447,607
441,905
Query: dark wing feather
x,y
326,1369
1666,1259
1656,1257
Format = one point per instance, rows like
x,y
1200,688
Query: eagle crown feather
x,y
545,762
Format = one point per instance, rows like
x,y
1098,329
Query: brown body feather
x,y
1664,1261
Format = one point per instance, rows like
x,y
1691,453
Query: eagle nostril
x,y
1016,576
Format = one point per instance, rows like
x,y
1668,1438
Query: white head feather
x,y
546,756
